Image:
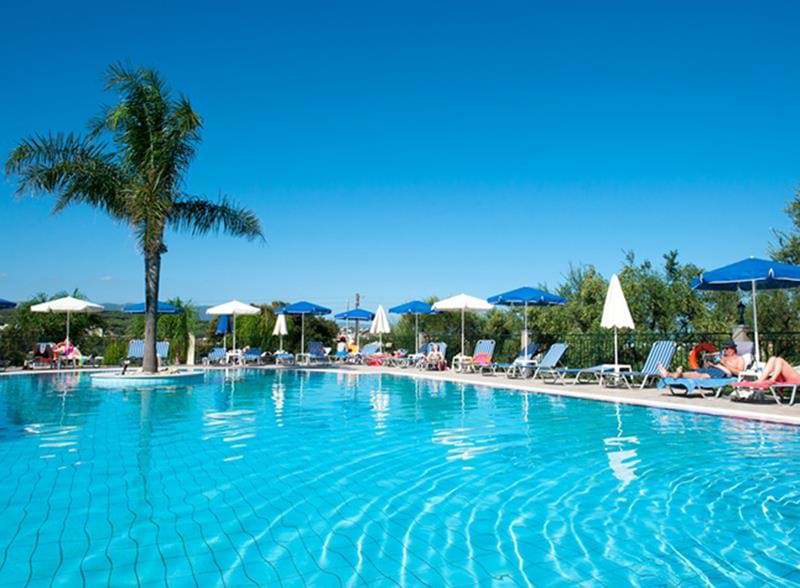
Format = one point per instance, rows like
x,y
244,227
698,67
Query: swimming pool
x,y
293,478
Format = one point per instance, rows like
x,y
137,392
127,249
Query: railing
x,y
596,348
592,349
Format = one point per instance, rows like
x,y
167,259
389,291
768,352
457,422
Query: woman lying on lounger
x,y
729,366
778,370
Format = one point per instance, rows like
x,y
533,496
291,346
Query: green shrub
x,y
115,352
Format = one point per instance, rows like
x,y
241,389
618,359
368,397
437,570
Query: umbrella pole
x,y
358,337
68,313
616,350
755,325
462,332
302,332
416,333
234,333
525,338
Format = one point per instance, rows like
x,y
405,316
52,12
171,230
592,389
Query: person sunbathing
x,y
778,369
64,349
728,366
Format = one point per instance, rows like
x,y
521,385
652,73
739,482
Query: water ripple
x,y
293,478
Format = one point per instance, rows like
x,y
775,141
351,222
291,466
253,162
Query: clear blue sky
x,y
409,149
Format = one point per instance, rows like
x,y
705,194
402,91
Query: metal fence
x,y
596,348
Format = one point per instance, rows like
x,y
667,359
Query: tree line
x,y
661,300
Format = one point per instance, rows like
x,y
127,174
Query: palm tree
x,y
139,180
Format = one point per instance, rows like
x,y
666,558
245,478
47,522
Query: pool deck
x,y
767,410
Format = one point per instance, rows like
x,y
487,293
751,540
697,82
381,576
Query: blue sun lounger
x,y
252,355
524,359
283,358
702,386
585,375
136,349
549,363
366,351
661,353
413,359
216,355
316,354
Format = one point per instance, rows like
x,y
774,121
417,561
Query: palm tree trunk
x,y
152,275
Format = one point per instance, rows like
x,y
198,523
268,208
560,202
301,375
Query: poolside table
x,y
613,375
233,357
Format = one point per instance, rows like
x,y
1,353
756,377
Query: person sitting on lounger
x,y
435,358
728,366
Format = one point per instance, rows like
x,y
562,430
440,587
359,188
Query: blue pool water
x,y
268,479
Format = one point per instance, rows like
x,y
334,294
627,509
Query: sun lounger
x,y
754,390
523,367
396,359
136,349
76,359
316,354
524,359
41,356
283,358
549,363
253,355
702,386
372,355
413,359
579,375
661,354
216,355
587,375
481,357
361,356
780,389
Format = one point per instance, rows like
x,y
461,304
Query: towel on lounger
x,y
766,384
482,358
755,385
691,384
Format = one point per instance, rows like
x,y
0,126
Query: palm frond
x,y
158,133
155,137
71,167
201,216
